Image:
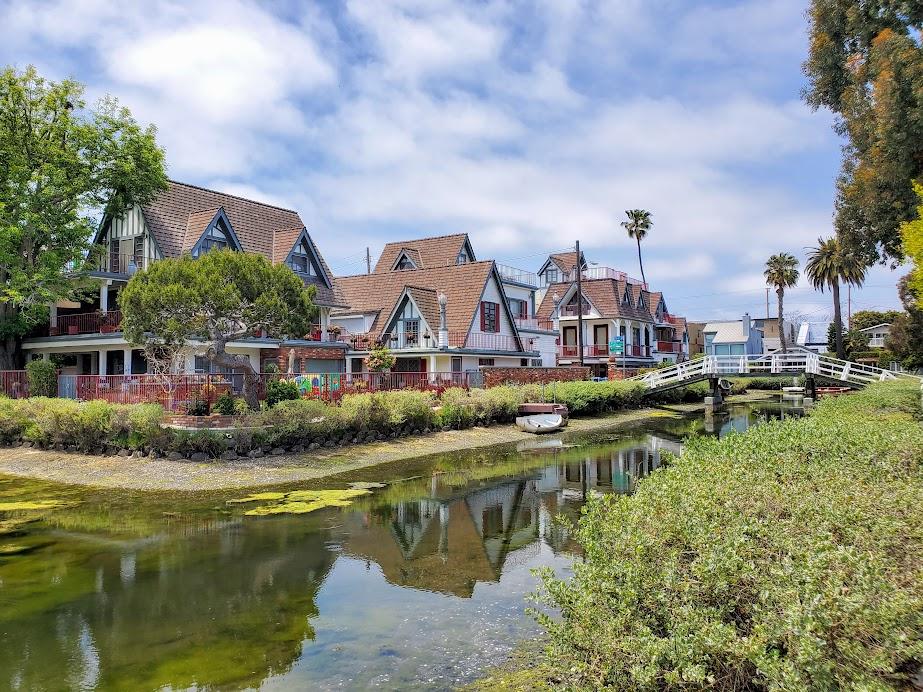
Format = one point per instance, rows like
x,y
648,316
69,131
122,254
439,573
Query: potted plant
x,y
334,331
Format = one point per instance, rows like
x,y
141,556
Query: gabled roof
x,y
564,261
875,326
731,332
380,291
604,294
426,253
656,298
425,299
174,216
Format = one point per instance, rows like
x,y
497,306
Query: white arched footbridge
x,y
790,364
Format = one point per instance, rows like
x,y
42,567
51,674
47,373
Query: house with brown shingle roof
x,y
188,219
436,307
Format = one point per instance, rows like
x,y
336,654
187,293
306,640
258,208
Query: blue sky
x,y
527,125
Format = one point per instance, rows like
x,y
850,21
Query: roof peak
x,y
229,194
429,237
407,272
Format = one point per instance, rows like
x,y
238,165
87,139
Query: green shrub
x,y
43,378
408,407
789,557
502,403
590,398
299,421
14,420
456,409
364,411
224,404
86,425
281,390
188,442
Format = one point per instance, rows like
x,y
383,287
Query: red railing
x,y
88,323
180,392
534,323
589,351
14,384
483,340
122,263
669,347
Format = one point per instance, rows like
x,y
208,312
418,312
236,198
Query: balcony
x,y
669,347
520,276
88,323
572,352
483,341
123,264
571,310
535,323
591,273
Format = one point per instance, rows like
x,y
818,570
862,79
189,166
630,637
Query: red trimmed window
x,y
490,317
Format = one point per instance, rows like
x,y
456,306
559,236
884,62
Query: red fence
x,y
14,384
669,347
179,392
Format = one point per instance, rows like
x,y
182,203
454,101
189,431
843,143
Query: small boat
x,y
533,408
546,445
793,390
832,391
539,423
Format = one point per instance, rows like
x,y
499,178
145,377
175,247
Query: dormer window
x,y
626,298
300,260
462,257
215,238
551,276
404,263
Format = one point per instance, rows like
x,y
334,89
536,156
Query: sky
x,y
528,125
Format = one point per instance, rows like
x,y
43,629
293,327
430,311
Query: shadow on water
x,y
420,584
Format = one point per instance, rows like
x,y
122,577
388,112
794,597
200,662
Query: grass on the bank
x,y
789,557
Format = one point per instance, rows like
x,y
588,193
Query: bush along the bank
x,y
42,376
788,557
289,423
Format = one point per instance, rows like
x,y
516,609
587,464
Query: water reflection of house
x,y
451,540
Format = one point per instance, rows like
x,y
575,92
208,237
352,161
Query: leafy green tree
x,y
863,319
830,264
215,299
638,224
781,273
912,236
854,341
59,162
866,66
905,337
380,359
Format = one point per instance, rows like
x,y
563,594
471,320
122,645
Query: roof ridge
x,y
417,269
431,237
228,194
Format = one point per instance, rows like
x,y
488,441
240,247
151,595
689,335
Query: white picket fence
x,y
792,363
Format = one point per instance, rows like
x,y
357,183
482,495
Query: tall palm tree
x,y
829,264
638,224
781,272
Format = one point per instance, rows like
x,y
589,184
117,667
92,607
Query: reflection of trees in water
x,y
225,608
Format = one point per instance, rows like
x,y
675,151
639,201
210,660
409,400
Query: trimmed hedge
x,y
788,557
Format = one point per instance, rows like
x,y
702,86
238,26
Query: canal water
x,y
421,584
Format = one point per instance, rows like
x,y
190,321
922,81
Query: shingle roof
x,y
565,261
654,302
606,297
726,332
428,302
427,253
463,285
174,216
195,227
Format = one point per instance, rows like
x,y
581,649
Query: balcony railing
x,y
571,310
877,342
604,273
669,347
88,323
535,323
121,263
571,351
483,341
518,275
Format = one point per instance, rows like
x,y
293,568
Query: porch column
x,y
126,356
101,365
46,355
53,315
104,297
432,367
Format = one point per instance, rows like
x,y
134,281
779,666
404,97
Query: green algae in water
x,y
31,505
300,501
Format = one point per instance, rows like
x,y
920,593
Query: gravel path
x,y
164,474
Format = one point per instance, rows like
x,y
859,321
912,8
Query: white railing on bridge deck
x,y
791,363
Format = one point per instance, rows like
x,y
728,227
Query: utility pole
x,y
368,262
767,302
579,270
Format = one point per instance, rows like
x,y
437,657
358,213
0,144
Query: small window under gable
x,y
626,297
462,257
216,237
641,305
404,262
302,261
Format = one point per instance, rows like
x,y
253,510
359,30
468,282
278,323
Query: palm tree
x,y
781,272
638,224
829,264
